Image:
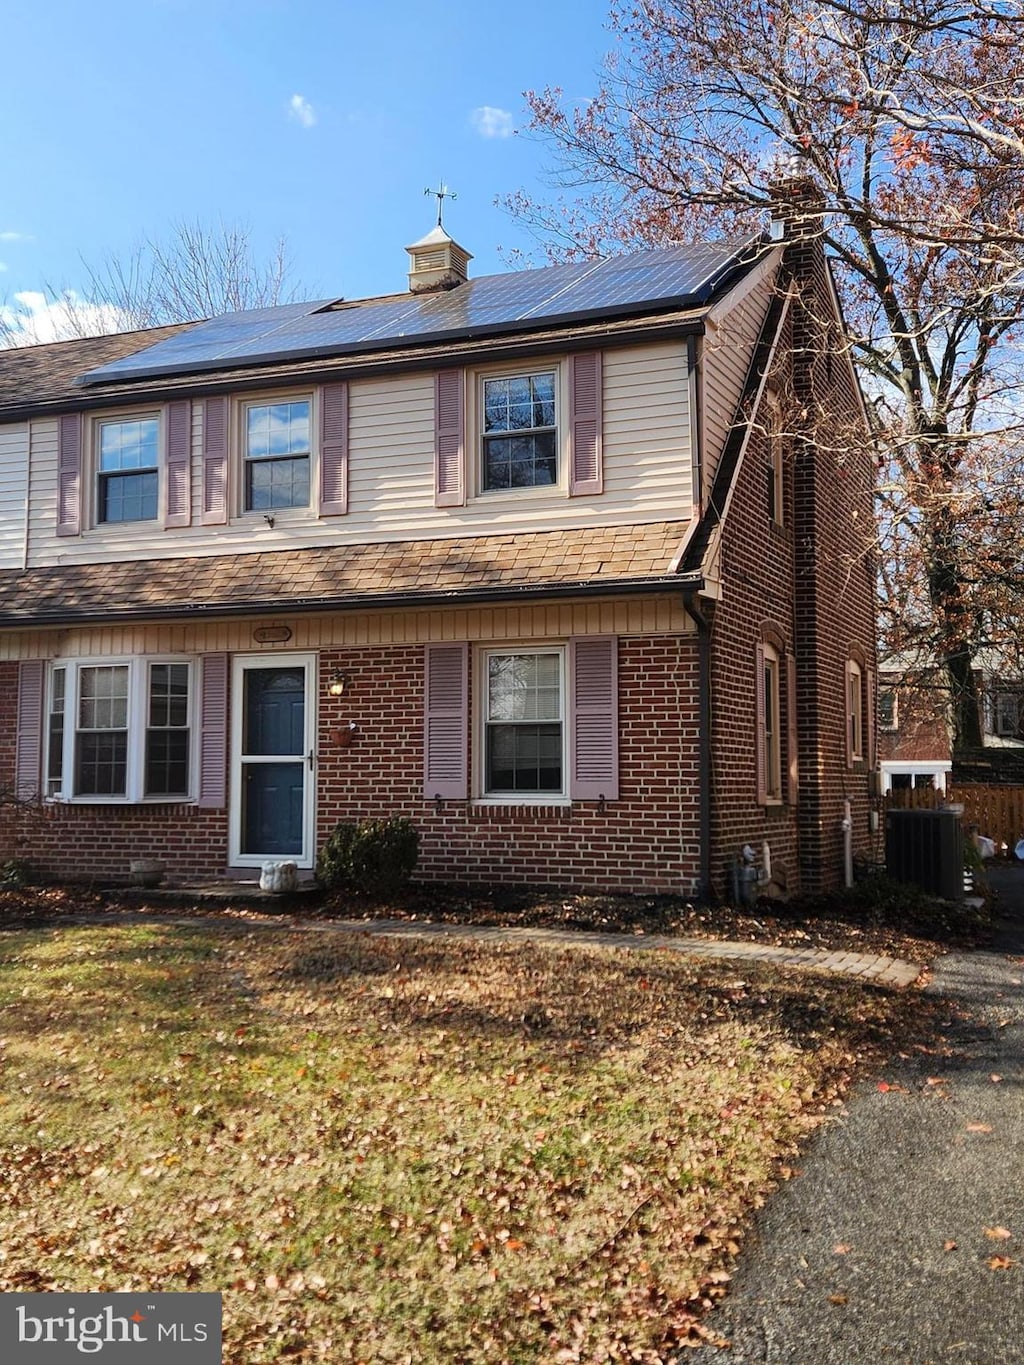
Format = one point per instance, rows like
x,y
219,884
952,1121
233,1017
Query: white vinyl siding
x,y
728,347
647,474
14,464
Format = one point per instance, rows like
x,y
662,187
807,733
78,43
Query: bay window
x,y
120,730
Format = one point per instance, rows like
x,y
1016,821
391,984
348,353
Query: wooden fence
x,y
997,812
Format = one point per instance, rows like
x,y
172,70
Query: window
x,y
1008,714
520,433
854,712
771,747
774,465
127,465
888,709
120,731
277,455
524,745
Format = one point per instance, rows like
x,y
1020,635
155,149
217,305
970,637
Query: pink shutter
x,y
179,464
760,723
215,462
449,439
593,718
792,735
69,474
846,716
446,722
31,719
585,462
334,450
213,733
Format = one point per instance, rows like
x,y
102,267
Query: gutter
x,y
277,606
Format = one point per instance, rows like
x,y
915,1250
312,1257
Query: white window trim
x,y
914,768
482,797
773,716
237,456
90,474
855,712
475,428
138,718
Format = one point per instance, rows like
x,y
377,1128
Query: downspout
x,y
695,609
692,603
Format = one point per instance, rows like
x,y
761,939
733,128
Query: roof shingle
x,y
393,574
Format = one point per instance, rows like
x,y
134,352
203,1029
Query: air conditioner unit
x,y
926,849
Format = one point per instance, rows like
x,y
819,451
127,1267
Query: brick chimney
x,y
798,209
436,263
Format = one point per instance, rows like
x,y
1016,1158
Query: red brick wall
x,y
813,581
647,840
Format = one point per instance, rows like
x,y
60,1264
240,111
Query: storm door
x,y
274,763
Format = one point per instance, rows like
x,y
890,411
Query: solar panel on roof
x,y
674,276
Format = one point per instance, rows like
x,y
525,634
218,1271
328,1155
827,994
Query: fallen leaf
x,y
949,1245
979,1127
1000,1263
514,1244
839,1299
998,1234
885,1087
995,1078
936,1080
841,1248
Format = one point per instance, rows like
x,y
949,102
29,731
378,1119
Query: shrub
x,y
15,873
375,856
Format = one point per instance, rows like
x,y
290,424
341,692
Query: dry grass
x,y
391,1151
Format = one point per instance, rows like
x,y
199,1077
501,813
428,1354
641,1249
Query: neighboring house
x,y
568,566
914,730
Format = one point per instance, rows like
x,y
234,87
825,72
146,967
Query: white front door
x,y
273,774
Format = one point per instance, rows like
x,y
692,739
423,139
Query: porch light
x,y
337,684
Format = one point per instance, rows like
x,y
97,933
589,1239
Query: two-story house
x,y
569,566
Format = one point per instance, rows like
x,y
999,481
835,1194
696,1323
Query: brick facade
x,y
808,586
648,839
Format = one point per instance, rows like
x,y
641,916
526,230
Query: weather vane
x,y
441,194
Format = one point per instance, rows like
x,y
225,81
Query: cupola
x,y
437,262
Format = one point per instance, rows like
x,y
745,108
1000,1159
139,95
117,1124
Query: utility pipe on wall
x,y
846,825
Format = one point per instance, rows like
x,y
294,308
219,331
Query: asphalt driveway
x,y
891,1244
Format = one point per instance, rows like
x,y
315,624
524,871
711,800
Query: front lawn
x,y
407,1151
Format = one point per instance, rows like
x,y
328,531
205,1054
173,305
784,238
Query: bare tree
x,y
194,272
908,116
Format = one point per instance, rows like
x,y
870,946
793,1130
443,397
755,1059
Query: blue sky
x,y
316,121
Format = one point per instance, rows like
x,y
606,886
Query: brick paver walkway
x,y
883,971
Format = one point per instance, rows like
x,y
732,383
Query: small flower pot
x,y
146,872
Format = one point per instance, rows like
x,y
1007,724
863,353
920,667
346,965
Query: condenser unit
x,y
926,849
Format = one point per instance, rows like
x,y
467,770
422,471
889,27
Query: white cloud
x,y
15,237
300,109
3,265
35,317
491,122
